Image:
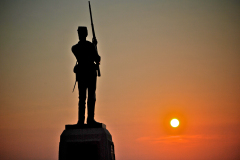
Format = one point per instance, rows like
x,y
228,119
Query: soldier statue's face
x,y
82,36
82,32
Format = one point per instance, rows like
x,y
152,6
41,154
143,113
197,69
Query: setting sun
x,y
174,122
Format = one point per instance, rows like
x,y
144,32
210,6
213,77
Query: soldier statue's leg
x,y
91,99
82,88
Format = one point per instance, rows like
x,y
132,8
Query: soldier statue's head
x,y
82,32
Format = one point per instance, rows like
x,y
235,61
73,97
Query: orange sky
x,y
160,60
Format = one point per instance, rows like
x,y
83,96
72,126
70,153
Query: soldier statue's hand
x,y
94,41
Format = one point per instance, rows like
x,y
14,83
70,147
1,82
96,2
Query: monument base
x,y
86,142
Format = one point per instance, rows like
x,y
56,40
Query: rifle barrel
x,y
93,32
94,37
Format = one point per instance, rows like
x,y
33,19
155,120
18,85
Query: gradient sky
x,y
160,59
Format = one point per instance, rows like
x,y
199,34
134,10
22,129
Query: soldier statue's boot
x,y
91,109
81,113
92,121
81,122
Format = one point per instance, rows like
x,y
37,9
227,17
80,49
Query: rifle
x,y
94,39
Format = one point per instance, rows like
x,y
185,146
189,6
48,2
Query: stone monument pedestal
x,y
86,142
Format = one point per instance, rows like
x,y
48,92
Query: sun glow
x,y
174,122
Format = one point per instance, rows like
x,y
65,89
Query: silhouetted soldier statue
x,y
90,141
86,75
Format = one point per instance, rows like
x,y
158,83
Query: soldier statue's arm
x,y
74,52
